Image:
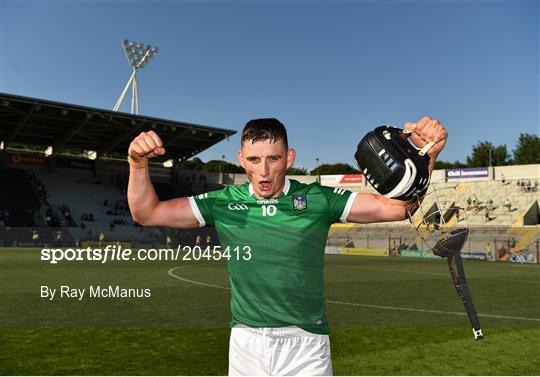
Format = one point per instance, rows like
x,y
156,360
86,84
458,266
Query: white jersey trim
x,y
196,212
348,207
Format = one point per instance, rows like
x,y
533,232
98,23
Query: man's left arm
x,y
372,208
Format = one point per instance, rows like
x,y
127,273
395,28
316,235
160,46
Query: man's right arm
x,y
146,209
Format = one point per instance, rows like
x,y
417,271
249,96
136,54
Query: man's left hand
x,y
427,130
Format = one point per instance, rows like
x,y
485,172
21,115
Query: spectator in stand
x,y
58,240
508,205
489,204
67,216
35,237
475,201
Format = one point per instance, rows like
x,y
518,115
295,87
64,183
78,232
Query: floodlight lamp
x,y
49,150
168,163
136,53
1,145
91,155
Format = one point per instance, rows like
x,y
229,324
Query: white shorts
x,y
278,351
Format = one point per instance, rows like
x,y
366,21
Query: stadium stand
x,y
96,203
510,232
72,206
71,192
19,200
66,200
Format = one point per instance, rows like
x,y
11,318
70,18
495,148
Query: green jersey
x,y
276,250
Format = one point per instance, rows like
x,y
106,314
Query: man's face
x,y
266,162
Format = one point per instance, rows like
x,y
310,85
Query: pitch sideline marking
x,y
441,274
171,273
431,311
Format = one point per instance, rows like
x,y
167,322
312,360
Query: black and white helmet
x,y
392,164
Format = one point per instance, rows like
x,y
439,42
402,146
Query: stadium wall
x,y
517,172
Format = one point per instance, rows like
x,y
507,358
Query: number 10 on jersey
x,y
269,210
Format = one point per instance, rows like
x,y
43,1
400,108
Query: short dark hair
x,y
264,129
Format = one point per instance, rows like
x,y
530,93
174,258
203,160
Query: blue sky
x,y
329,70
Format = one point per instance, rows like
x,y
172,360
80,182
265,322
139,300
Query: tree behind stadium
x,y
481,155
527,150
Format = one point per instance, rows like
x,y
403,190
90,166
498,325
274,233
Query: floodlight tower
x,y
138,54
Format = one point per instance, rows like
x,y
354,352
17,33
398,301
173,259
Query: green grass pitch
x,y
388,316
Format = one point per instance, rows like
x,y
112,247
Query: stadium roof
x,y
34,121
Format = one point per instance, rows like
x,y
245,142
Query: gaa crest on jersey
x,y
299,202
